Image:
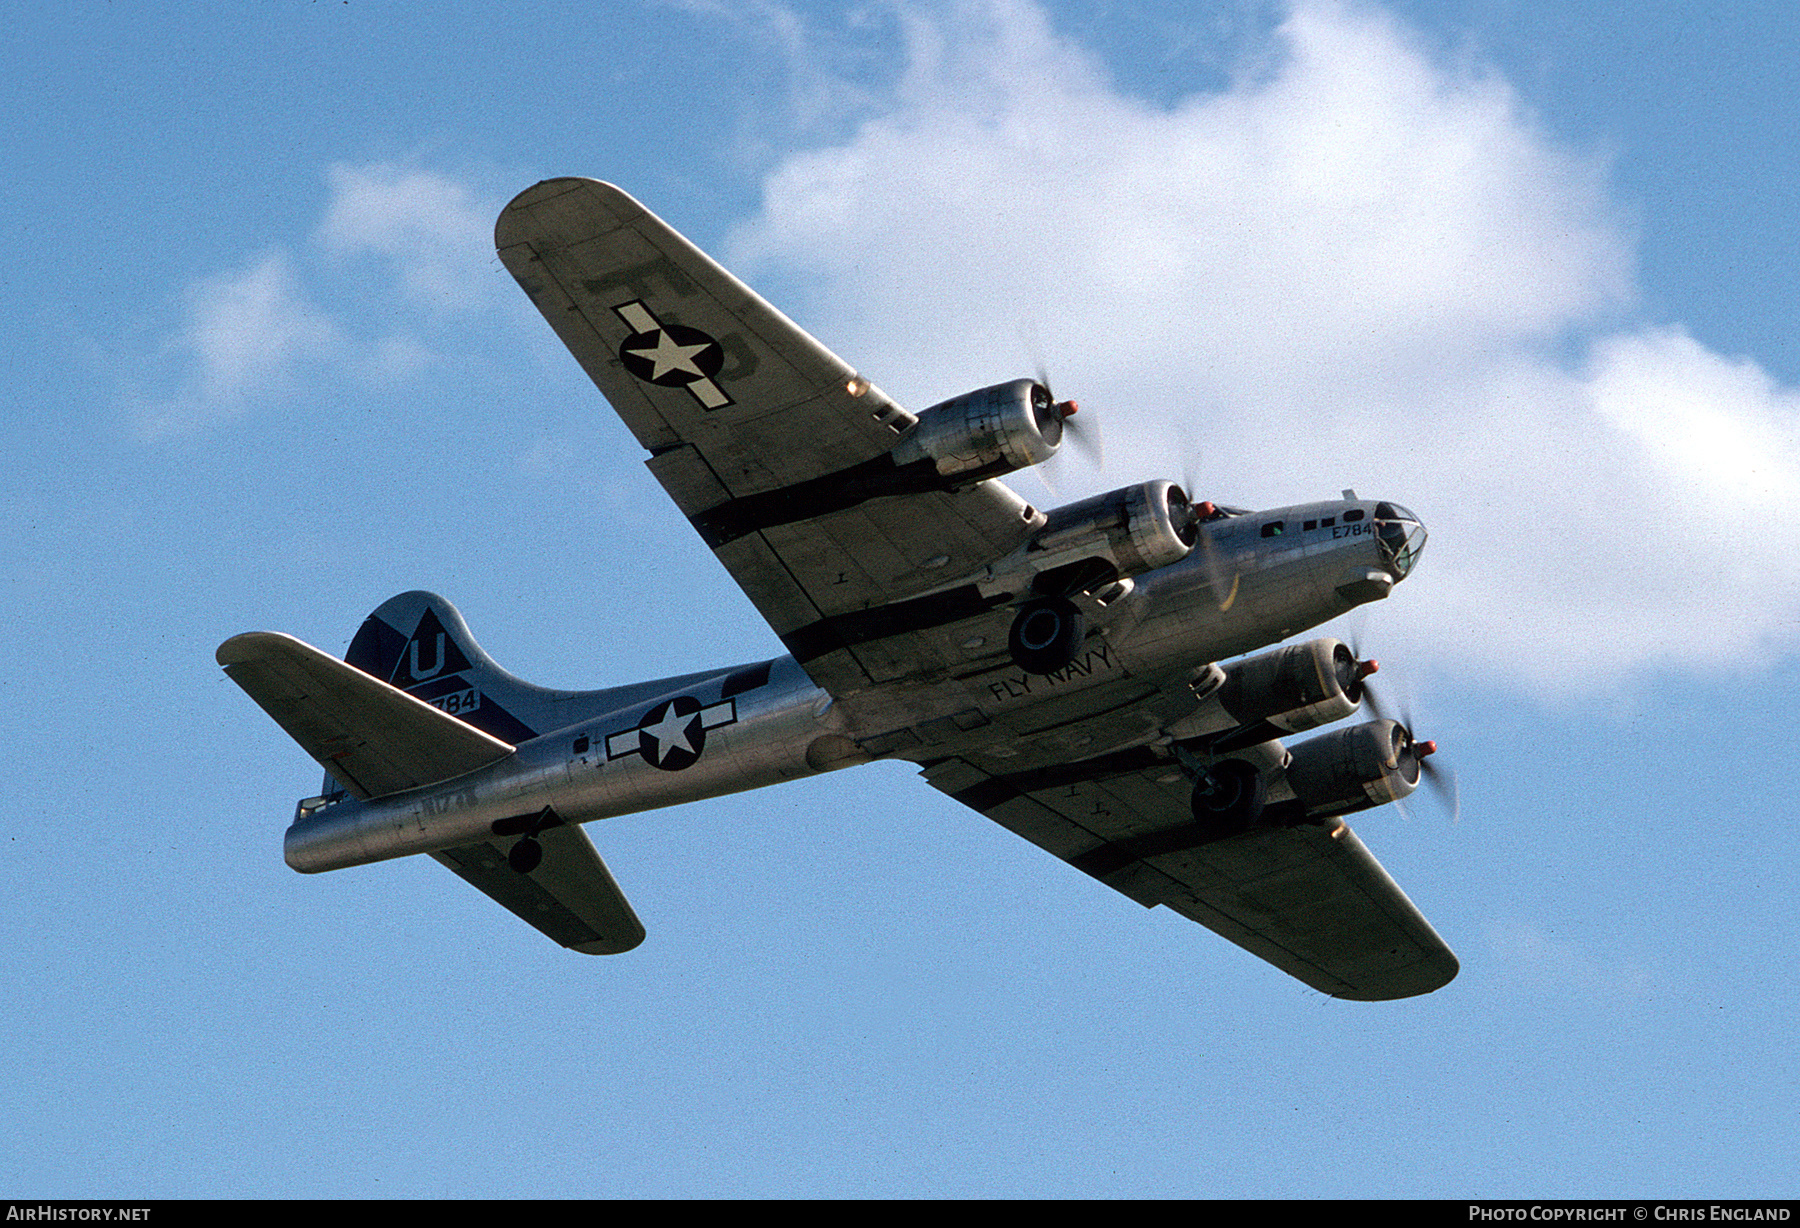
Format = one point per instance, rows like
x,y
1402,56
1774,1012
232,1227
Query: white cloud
x,y
1354,188
433,230
816,88
1718,431
251,333
247,328
244,335
1529,958
1350,267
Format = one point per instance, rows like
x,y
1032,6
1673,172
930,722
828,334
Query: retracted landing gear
x,y
1046,635
525,856
527,853
1228,796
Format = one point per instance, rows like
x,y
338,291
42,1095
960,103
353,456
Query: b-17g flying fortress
x,y
1076,674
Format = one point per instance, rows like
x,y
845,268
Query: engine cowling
x,y
1289,690
1353,769
1296,688
986,433
1131,531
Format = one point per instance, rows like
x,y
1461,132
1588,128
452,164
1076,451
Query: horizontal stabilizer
x,y
570,896
373,738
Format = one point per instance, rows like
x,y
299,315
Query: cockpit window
x,y
1401,536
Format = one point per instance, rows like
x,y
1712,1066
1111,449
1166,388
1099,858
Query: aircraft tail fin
x,y
418,643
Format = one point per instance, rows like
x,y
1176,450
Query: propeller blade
x,y
1224,582
1442,781
1085,434
1360,690
1433,773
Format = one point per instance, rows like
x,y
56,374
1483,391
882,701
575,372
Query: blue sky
x,y
1526,268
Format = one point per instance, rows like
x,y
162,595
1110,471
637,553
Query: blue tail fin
x,y
419,643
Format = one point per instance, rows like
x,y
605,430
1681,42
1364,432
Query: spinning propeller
x,y
1440,778
1222,579
1056,420
1084,435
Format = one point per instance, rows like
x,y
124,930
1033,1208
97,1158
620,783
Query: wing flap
x,y
571,897
373,738
1308,898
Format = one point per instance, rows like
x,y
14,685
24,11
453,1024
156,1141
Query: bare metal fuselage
x,y
682,739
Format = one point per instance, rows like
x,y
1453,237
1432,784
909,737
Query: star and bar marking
x,y
672,355
672,735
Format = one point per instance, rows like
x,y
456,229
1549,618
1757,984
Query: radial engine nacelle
x,y
1113,536
1355,768
1086,547
1290,690
988,432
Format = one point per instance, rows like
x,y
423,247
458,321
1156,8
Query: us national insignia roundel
x,y
672,355
672,735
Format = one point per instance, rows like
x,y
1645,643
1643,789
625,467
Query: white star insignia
x,y
671,733
671,357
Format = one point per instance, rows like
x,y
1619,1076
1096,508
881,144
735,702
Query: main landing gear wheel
x,y
1046,635
1228,797
525,856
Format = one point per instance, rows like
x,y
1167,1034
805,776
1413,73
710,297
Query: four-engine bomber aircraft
x,y
1056,670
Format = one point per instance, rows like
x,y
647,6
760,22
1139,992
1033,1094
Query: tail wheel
x,y
1046,635
1229,797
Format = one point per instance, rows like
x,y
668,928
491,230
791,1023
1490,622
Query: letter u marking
x,y
421,674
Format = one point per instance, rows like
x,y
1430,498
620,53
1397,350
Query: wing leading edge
x,y
1308,898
